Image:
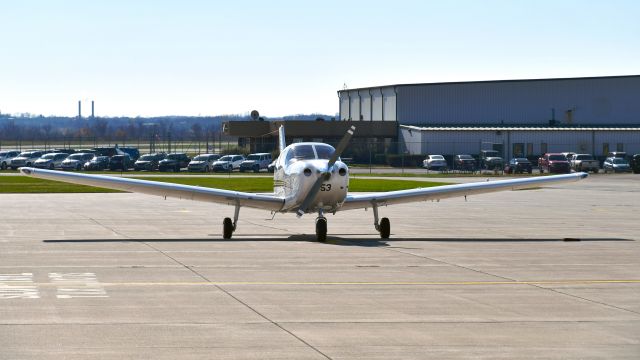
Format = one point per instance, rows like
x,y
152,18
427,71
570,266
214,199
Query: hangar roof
x,y
515,128
492,81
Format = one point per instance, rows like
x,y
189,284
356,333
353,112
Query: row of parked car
x,y
99,159
488,160
556,163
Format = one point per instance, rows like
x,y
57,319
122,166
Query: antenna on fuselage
x,y
281,141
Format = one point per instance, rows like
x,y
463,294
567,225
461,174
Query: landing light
x,y
307,172
342,171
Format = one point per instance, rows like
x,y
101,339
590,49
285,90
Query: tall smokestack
x,y
92,114
79,109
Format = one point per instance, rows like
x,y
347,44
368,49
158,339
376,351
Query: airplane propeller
x,y
326,174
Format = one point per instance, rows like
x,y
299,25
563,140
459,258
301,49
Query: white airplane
x,y
309,177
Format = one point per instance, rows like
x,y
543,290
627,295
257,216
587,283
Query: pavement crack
x,y
272,322
217,286
107,227
585,299
510,279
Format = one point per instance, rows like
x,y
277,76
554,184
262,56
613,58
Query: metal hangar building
x,y
518,117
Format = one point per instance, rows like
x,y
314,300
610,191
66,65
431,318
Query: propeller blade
x,y
313,192
342,145
310,196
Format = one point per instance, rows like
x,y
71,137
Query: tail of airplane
x,y
281,141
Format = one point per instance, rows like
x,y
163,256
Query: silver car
x,y
615,165
256,162
203,162
76,161
51,161
26,158
228,163
434,162
6,157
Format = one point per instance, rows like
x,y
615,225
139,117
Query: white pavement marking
x,y
18,286
77,285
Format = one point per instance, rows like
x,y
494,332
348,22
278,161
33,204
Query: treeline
x,y
123,128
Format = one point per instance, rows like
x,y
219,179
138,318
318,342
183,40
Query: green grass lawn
x,y
24,184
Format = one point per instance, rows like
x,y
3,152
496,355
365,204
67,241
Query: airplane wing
x,y
359,201
228,197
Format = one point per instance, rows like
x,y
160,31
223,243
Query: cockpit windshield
x,y
303,152
324,151
310,152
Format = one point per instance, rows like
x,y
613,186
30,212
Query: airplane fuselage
x,y
294,176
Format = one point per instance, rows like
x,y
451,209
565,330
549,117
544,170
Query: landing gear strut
x,y
383,226
321,227
228,227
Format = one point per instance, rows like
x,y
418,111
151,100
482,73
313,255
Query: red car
x,y
554,163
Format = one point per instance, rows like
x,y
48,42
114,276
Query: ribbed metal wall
x,y
603,101
579,101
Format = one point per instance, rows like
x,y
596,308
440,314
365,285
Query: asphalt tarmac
x,y
546,274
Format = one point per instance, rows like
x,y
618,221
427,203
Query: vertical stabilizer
x,y
281,140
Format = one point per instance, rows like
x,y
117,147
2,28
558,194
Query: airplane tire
x,y
385,228
227,228
321,229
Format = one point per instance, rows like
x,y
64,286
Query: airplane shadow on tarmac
x,y
352,240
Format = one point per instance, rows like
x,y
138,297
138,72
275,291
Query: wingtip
x,y
584,175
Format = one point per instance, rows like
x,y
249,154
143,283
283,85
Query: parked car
x,y
635,163
67,151
490,160
26,158
616,164
120,162
6,157
555,163
256,162
203,162
434,162
134,153
148,162
76,161
174,162
228,163
584,162
86,151
617,154
50,161
97,163
518,166
464,162
105,151
568,155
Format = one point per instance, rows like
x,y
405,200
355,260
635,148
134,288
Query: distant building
x,y
261,136
528,117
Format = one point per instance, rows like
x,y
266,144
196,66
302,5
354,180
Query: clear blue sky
x,y
287,57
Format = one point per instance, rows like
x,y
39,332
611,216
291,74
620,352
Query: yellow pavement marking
x,y
222,283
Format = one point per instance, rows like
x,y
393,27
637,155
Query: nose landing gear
x,y
321,227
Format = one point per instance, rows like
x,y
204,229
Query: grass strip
x,y
25,184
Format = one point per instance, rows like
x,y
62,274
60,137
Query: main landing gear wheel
x,y
385,228
321,229
227,228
